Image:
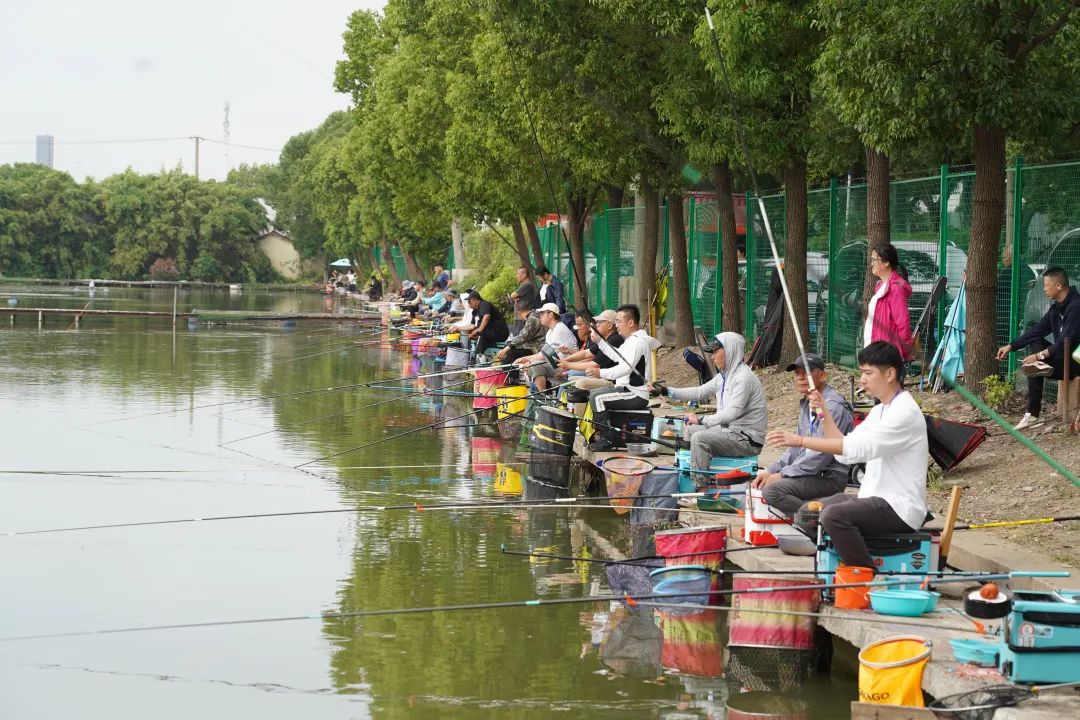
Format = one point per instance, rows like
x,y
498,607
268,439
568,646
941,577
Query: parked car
x,y
1064,253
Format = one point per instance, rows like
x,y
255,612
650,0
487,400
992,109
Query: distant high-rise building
x,y
45,150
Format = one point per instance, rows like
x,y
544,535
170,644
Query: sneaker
x,y
1028,421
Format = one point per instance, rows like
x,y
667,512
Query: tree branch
x,y
1047,34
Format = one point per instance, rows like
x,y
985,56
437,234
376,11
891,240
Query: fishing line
x,y
741,133
340,413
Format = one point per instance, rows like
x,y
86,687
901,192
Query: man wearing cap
x,y
489,325
737,428
557,336
589,356
802,474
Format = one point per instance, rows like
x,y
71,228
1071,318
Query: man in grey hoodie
x,y
737,428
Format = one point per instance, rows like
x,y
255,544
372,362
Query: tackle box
x,y
915,553
1041,642
689,481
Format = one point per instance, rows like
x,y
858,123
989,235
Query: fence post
x,y
691,255
751,253
832,295
943,244
1015,304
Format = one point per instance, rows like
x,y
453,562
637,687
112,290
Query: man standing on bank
x,y
802,474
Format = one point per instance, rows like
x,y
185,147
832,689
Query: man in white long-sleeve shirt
x,y
633,365
737,428
891,441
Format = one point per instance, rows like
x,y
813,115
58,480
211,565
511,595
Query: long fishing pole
x,y
341,413
629,599
429,426
575,501
352,345
741,133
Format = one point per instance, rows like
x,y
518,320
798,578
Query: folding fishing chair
x,y
922,332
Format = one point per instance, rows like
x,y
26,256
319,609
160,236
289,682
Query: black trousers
x,y
487,340
848,519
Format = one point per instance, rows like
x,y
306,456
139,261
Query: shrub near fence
x,y
930,225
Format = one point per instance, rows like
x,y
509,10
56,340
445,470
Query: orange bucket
x,y
857,598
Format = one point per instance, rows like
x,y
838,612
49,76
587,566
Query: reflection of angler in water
x,y
631,644
547,478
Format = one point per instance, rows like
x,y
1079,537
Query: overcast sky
x,y
136,69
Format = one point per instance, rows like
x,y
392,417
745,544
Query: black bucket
x,y
553,431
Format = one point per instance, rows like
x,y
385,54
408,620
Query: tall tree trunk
x,y
795,257
878,224
522,248
732,315
415,271
388,258
615,196
646,261
680,276
457,235
578,208
987,218
534,242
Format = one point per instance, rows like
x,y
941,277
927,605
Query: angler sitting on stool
x,y
802,474
891,441
737,428
633,363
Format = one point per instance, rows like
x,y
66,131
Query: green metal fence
x,y
930,220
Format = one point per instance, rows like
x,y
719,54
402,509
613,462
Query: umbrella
x,y
343,262
950,441
948,360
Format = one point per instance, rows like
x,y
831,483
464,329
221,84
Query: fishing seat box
x,y
688,481
573,399
630,426
1041,642
917,553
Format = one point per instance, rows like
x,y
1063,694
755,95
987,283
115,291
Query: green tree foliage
x,y
50,226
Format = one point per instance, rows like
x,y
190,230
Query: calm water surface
x,y
127,403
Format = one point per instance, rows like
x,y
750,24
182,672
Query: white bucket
x,y
762,524
456,357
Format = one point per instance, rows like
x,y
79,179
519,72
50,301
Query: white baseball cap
x,y
550,307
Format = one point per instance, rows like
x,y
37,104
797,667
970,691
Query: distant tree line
x,y
129,226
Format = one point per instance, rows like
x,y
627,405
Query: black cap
x,y
815,361
713,346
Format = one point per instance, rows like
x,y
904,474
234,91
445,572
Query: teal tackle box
x,y
1041,639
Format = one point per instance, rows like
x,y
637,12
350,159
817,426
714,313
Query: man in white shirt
x,y
891,441
558,336
633,365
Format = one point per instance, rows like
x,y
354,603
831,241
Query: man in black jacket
x,y
1048,360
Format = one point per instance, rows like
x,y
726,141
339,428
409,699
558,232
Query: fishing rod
x,y
380,383
637,560
363,333
630,600
575,501
350,346
430,426
341,413
740,131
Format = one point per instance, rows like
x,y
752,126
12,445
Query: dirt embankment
x,y
1002,479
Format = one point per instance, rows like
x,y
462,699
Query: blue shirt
x,y
797,461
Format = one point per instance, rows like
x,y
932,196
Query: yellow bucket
x,y
453,337
890,671
512,400
507,480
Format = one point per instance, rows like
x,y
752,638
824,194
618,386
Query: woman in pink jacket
x,y
887,315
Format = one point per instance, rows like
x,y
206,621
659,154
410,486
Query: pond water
x,y
127,421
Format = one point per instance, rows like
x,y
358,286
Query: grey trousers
x,y
848,519
788,494
707,443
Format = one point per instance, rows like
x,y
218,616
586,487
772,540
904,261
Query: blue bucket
x,y
690,583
